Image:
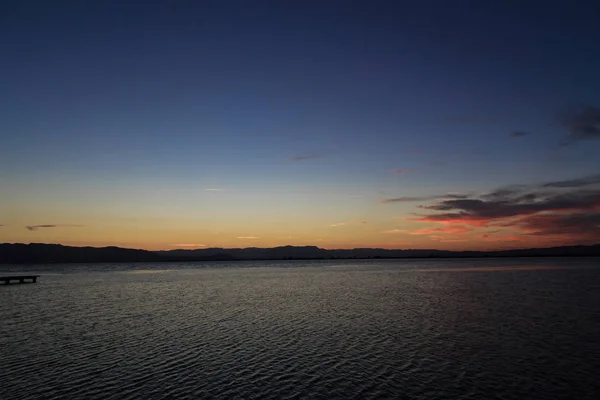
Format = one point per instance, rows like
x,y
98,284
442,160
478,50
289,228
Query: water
x,y
413,329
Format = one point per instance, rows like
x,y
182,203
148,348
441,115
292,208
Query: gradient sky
x,y
340,124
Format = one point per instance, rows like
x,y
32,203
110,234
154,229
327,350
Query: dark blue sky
x,y
224,94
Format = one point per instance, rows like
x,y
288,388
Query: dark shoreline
x,y
37,253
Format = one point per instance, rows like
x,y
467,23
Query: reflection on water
x,y
146,271
503,268
272,330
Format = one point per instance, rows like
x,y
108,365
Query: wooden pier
x,y
19,278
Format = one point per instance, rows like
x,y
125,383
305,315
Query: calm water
x,y
417,329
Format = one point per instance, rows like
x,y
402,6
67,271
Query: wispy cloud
x,y
504,192
450,219
518,134
392,231
578,182
403,171
360,222
444,239
494,239
582,123
214,189
189,245
36,227
304,157
248,237
456,229
408,199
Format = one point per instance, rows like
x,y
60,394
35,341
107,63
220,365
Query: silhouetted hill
x,y
54,253
255,253
47,253
313,252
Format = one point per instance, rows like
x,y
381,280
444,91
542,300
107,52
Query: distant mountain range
x,y
18,253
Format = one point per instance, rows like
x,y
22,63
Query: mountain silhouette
x,y
18,253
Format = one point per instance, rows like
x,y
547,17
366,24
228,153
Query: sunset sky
x,y
340,124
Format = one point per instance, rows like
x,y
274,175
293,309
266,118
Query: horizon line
x,y
290,245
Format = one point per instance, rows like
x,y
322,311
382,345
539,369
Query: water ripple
x,y
364,330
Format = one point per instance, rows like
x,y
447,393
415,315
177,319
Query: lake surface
x,y
404,329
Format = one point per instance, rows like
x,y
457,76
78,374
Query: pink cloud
x,y
567,211
453,220
492,239
446,240
457,229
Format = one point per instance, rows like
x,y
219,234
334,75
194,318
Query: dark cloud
x,y
496,209
582,123
405,199
572,183
568,210
36,227
454,196
578,224
305,157
426,198
524,192
504,192
517,134
403,171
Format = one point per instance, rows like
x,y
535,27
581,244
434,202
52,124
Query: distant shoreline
x,y
40,253
166,261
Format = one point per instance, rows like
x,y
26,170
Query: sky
x,y
339,124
